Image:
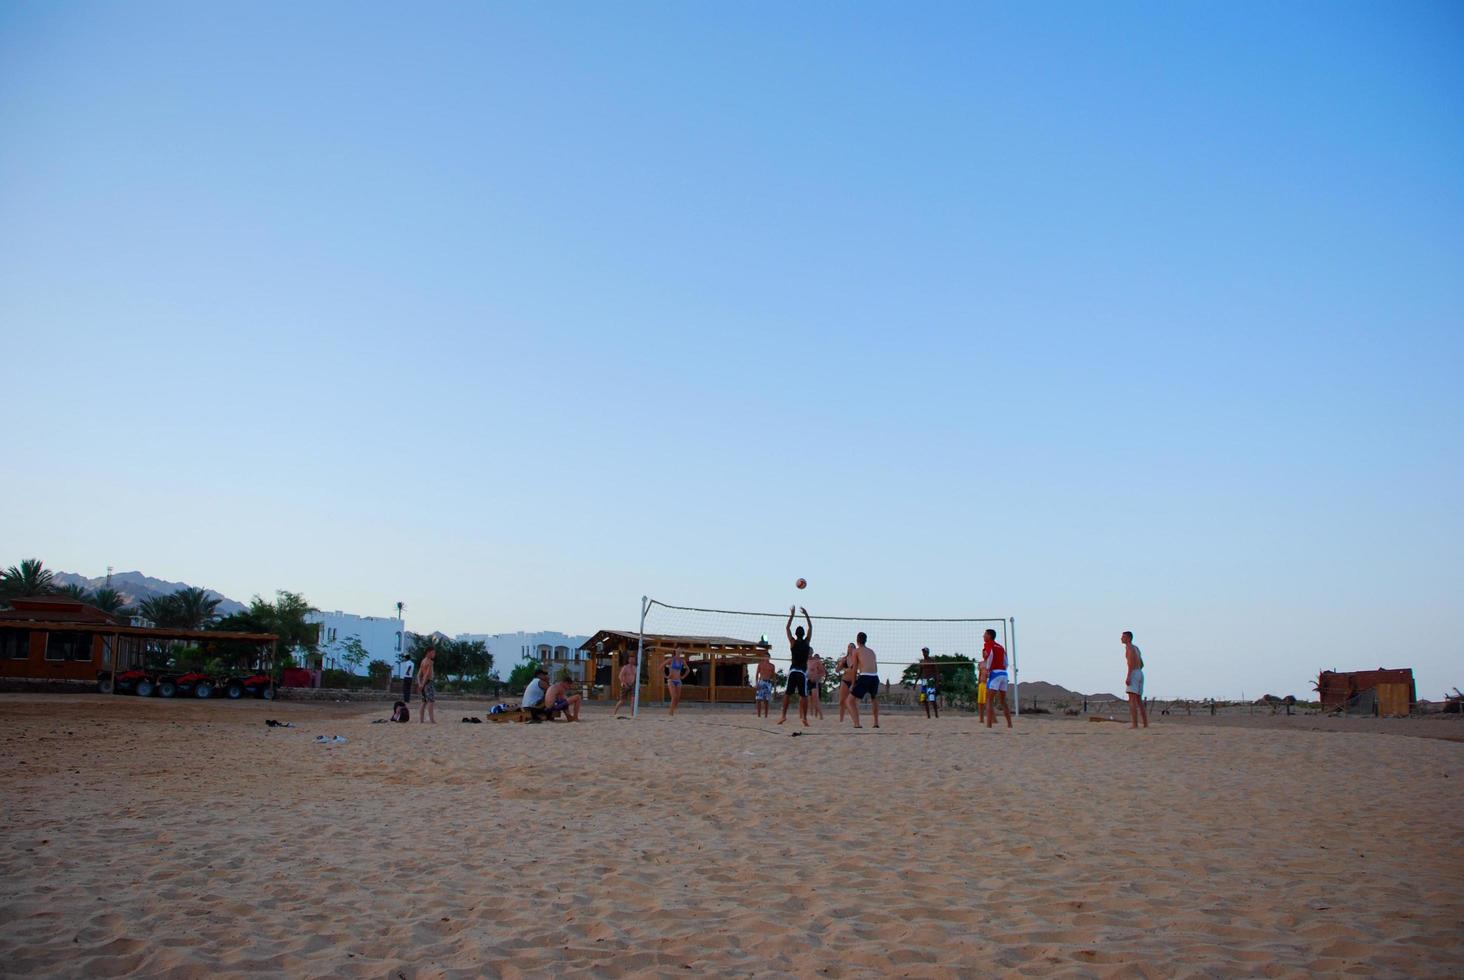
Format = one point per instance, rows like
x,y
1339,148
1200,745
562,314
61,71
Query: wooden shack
x,y
1393,689
719,665
61,639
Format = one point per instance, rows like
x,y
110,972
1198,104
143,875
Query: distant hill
x,y
1043,691
136,587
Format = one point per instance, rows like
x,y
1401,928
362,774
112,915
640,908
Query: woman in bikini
x,y
848,669
676,670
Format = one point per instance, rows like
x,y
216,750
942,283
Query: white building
x,y
510,649
381,636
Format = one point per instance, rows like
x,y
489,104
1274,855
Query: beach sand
x,y
186,839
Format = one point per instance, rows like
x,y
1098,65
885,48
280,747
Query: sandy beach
x,y
184,839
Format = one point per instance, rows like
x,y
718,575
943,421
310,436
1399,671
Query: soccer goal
x,y
721,644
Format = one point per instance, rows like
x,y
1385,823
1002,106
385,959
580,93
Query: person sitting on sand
x,y
561,700
763,698
627,683
400,712
533,699
866,681
1133,681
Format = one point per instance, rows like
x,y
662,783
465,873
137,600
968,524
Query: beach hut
x,y
718,665
1383,692
66,642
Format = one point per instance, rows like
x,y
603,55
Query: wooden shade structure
x,y
718,665
58,638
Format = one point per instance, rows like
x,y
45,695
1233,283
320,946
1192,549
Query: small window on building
x,y
399,640
61,647
15,644
68,646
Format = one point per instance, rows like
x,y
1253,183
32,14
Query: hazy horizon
x,y
1140,316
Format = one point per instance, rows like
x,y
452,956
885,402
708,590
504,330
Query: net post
x,y
1016,690
640,652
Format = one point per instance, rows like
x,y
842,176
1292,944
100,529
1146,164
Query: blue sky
x,y
1100,316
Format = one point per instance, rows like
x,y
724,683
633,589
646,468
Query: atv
x,y
195,683
256,685
134,680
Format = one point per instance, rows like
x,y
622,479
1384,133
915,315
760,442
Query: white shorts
x,y
997,681
1136,683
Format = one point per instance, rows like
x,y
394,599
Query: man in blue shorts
x,y
763,699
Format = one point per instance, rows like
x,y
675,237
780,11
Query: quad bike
x,y
255,685
196,683
134,680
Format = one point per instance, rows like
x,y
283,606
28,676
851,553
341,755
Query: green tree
x,y
28,578
193,608
160,609
380,673
352,653
522,673
285,618
74,591
109,600
957,676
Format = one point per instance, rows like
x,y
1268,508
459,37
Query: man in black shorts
x,y
800,647
866,683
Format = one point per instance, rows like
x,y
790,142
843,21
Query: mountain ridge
x,y
136,586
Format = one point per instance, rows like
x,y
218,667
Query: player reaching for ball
x,y
800,648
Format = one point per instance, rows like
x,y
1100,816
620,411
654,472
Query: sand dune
x,y
178,839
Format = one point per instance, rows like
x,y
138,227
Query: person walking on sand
x,y
866,681
1133,681
993,664
817,671
427,685
763,698
627,683
847,671
800,648
929,679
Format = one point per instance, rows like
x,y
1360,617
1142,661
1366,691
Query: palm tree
x,y
29,578
77,592
160,609
109,600
193,608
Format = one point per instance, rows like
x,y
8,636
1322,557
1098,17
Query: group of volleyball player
x,y
858,674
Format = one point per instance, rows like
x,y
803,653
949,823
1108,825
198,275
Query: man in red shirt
x,y
994,668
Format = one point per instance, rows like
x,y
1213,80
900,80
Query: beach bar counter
x,y
719,665
64,641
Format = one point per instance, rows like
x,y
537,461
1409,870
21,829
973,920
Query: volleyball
x,y
802,583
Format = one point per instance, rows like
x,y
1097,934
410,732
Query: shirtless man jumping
x,y
800,648
866,681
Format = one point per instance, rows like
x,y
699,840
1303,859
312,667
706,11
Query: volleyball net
x,y
720,644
